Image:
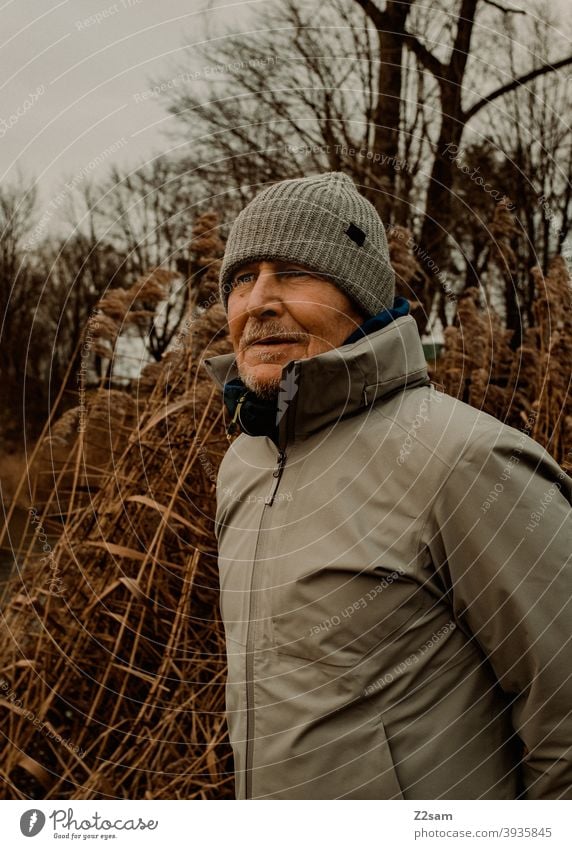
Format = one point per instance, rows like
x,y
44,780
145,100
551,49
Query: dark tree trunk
x,y
386,118
390,25
438,211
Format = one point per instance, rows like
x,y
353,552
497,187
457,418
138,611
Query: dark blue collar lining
x,y
381,319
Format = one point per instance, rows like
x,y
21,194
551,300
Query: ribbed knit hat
x,y
319,222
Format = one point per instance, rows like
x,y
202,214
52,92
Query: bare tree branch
x,y
376,16
505,9
427,59
519,81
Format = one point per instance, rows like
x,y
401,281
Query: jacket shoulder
x,y
446,428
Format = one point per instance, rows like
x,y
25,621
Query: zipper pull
x,y
277,474
233,426
281,463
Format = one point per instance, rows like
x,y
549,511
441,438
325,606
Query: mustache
x,y
261,330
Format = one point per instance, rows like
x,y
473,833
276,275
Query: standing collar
x,y
317,391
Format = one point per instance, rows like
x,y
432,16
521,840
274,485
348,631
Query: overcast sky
x,y
73,74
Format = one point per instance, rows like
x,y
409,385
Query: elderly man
x,y
395,565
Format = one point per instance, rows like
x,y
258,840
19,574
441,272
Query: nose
x,y
264,298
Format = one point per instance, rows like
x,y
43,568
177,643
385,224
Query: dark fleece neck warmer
x,y
258,415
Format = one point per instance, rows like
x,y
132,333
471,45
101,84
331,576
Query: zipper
x,y
276,474
250,636
234,422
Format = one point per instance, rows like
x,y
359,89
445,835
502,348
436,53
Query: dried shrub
x,y
410,278
113,638
528,388
113,656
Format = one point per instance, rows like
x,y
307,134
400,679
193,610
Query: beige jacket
x,y
396,590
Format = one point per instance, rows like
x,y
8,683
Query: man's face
x,y
279,312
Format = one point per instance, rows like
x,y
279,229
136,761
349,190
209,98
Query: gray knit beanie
x,y
322,223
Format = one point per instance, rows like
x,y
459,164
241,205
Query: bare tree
x,y
298,97
147,215
535,136
20,292
324,88
450,75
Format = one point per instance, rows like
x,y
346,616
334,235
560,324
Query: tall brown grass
x,y
112,639
126,661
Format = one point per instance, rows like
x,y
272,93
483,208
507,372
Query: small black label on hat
x,y
355,234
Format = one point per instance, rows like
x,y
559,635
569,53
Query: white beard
x,y
266,389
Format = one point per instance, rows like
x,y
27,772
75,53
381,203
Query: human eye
x,y
242,277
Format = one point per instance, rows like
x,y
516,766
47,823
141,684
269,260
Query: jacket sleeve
x,y
504,530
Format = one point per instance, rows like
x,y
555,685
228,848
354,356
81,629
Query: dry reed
x,y
113,657
112,640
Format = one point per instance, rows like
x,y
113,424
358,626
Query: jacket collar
x,y
318,391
